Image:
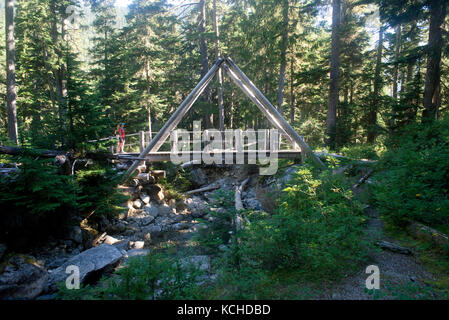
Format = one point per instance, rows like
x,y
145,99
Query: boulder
x,y
154,191
151,210
153,230
22,279
198,177
165,210
179,226
110,240
75,234
137,204
146,221
122,244
252,204
91,263
196,206
138,245
137,252
145,198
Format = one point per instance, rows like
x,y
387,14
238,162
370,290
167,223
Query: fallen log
x,y
189,164
420,231
204,189
363,179
239,205
393,247
17,151
323,155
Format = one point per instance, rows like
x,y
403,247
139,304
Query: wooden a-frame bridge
x,y
151,151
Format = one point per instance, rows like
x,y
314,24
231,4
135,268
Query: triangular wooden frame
x,y
250,90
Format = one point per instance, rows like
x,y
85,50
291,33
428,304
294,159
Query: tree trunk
x,y
219,74
396,57
292,93
433,72
372,115
208,118
331,118
280,95
11,93
148,79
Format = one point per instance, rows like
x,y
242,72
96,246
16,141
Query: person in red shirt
x,y
120,132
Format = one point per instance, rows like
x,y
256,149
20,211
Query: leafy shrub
x,y
318,229
413,183
362,151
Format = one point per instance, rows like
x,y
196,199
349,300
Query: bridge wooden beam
x,y
272,114
185,106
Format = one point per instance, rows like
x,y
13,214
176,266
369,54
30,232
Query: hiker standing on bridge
x,y
120,133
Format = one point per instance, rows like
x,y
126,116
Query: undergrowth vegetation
x,y
316,235
154,276
413,177
40,201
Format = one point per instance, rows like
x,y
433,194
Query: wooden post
x,y
141,140
174,141
147,138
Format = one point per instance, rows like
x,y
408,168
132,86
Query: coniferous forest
x,y
365,83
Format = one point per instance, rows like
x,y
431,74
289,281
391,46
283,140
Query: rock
x,y
172,203
197,206
75,234
53,264
117,227
159,174
122,245
138,245
137,252
252,204
151,210
179,226
131,212
22,279
91,263
198,177
137,204
165,210
288,175
153,230
200,262
110,240
146,221
154,191
2,250
129,204
145,198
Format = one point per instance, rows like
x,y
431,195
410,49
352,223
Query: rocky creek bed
x,y
151,220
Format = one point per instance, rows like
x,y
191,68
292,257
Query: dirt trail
x,y
396,270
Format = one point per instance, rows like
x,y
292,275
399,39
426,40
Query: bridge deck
x,y
165,155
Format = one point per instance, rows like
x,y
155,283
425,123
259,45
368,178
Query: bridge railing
x,y
137,142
